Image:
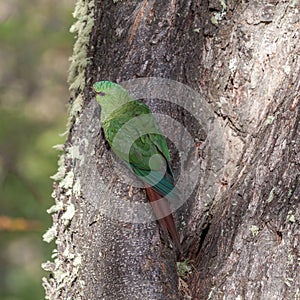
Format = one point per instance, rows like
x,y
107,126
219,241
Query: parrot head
x,y
102,88
110,96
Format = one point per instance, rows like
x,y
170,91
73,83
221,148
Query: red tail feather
x,y
164,215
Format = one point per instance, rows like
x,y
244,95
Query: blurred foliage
x,y
35,46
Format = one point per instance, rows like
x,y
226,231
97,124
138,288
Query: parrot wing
x,y
148,157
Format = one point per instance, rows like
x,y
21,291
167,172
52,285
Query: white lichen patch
x,y
269,120
287,69
77,261
54,253
232,65
74,153
60,275
219,16
60,174
50,234
65,133
288,281
48,266
224,5
69,213
55,208
78,83
254,230
77,188
213,293
271,195
67,254
67,181
291,217
76,107
59,147
293,3
64,273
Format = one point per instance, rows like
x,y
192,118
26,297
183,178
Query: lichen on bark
x,y
66,261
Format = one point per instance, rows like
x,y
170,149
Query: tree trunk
x,y
239,62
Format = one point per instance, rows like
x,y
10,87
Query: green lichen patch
x,y
184,268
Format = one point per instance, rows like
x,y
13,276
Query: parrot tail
x,y
164,215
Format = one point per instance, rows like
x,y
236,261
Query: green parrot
x,y
135,137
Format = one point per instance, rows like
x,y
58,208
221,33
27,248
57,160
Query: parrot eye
x,y
101,94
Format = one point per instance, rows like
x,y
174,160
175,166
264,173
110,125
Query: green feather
x,y
135,137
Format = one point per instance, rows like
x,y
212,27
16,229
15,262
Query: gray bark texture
x,y
240,231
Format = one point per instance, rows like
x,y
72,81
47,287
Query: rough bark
x,y
243,240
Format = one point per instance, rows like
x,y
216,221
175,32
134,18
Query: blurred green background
x,y
35,45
